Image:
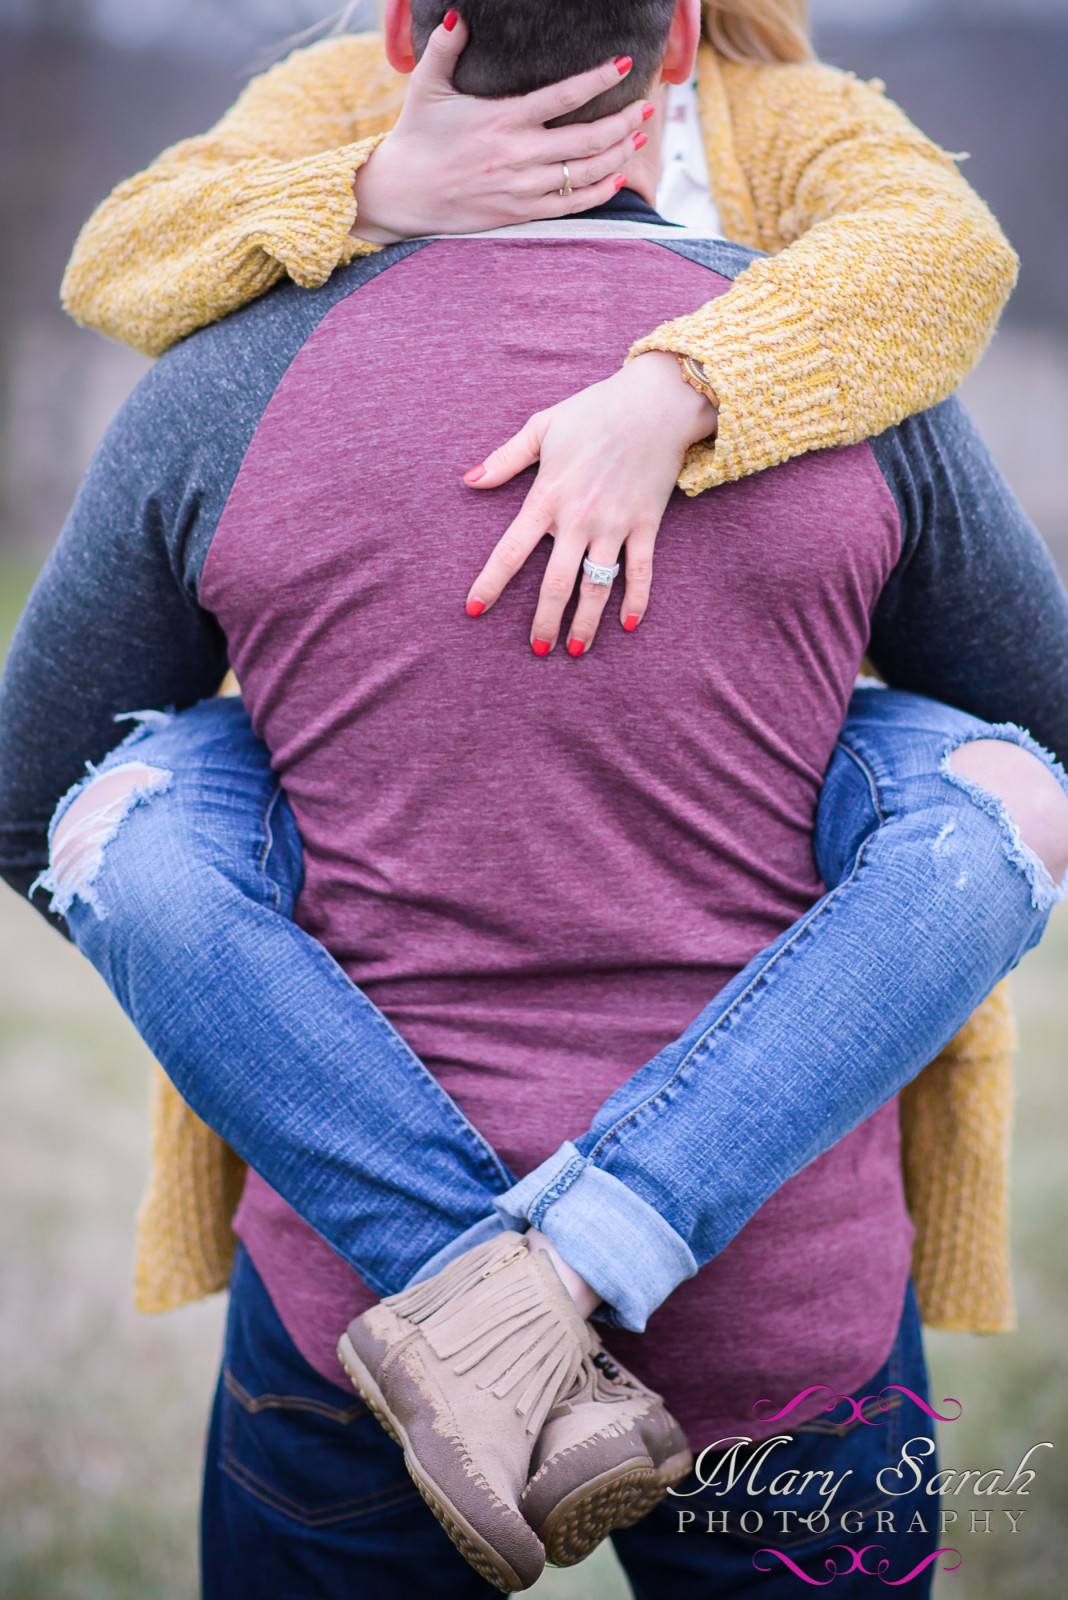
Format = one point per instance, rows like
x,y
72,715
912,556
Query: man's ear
x,y
683,40
397,30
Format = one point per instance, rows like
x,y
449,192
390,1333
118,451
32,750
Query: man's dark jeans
x,y
305,1495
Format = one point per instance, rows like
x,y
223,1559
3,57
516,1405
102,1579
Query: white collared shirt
x,y
683,194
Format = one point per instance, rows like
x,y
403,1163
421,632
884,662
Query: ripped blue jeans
x,y
181,894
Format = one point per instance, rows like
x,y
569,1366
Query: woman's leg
x,y
183,904
177,867
934,897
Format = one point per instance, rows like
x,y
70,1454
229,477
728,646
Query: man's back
x,y
541,870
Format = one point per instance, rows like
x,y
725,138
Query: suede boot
x,y
608,1453
462,1371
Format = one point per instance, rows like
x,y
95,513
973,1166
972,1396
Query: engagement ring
x,y
598,574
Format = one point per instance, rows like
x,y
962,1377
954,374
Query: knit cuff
x,y
776,380
308,209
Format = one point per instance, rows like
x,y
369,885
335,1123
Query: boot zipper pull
x,y
505,1261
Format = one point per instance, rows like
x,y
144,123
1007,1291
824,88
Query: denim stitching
x,y
383,1500
873,783
492,1162
728,1017
400,1493
268,846
559,1186
254,1404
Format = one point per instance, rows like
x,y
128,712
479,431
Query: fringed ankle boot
x,y
462,1371
608,1453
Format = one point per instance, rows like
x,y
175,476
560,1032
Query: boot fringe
x,y
423,1299
466,1310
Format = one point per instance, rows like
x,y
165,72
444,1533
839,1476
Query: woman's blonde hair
x,y
759,30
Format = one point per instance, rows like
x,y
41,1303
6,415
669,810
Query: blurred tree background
x,y
101,1413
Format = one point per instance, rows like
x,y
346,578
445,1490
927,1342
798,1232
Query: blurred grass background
x,y
102,1412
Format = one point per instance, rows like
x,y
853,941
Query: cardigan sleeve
x,y
218,219
885,285
888,280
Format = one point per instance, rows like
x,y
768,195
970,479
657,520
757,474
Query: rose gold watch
x,y
694,374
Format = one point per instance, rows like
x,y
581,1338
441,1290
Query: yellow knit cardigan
x,y
883,283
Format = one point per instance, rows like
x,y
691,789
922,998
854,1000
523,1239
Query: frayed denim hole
x,y
148,722
1044,892
95,832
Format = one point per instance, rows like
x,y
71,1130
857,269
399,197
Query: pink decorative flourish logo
x,y
881,1402
857,1560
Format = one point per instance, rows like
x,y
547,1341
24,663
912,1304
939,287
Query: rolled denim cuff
x,y
621,1246
478,1233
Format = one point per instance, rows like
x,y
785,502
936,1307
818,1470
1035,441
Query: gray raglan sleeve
x,y
112,626
974,613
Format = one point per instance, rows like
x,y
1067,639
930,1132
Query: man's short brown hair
x,y
519,45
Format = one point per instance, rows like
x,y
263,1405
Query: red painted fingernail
x,y
623,64
449,20
475,608
575,647
647,110
541,647
474,475
620,181
640,139
631,623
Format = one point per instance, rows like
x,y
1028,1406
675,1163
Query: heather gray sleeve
x,y
111,627
113,624
974,613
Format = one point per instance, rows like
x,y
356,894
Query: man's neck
x,y
643,168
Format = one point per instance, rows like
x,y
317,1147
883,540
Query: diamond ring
x,y
598,574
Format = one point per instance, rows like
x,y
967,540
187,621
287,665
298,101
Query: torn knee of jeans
x,y
85,823
1027,796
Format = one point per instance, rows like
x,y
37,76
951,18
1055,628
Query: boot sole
x,y
617,1499
476,1551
